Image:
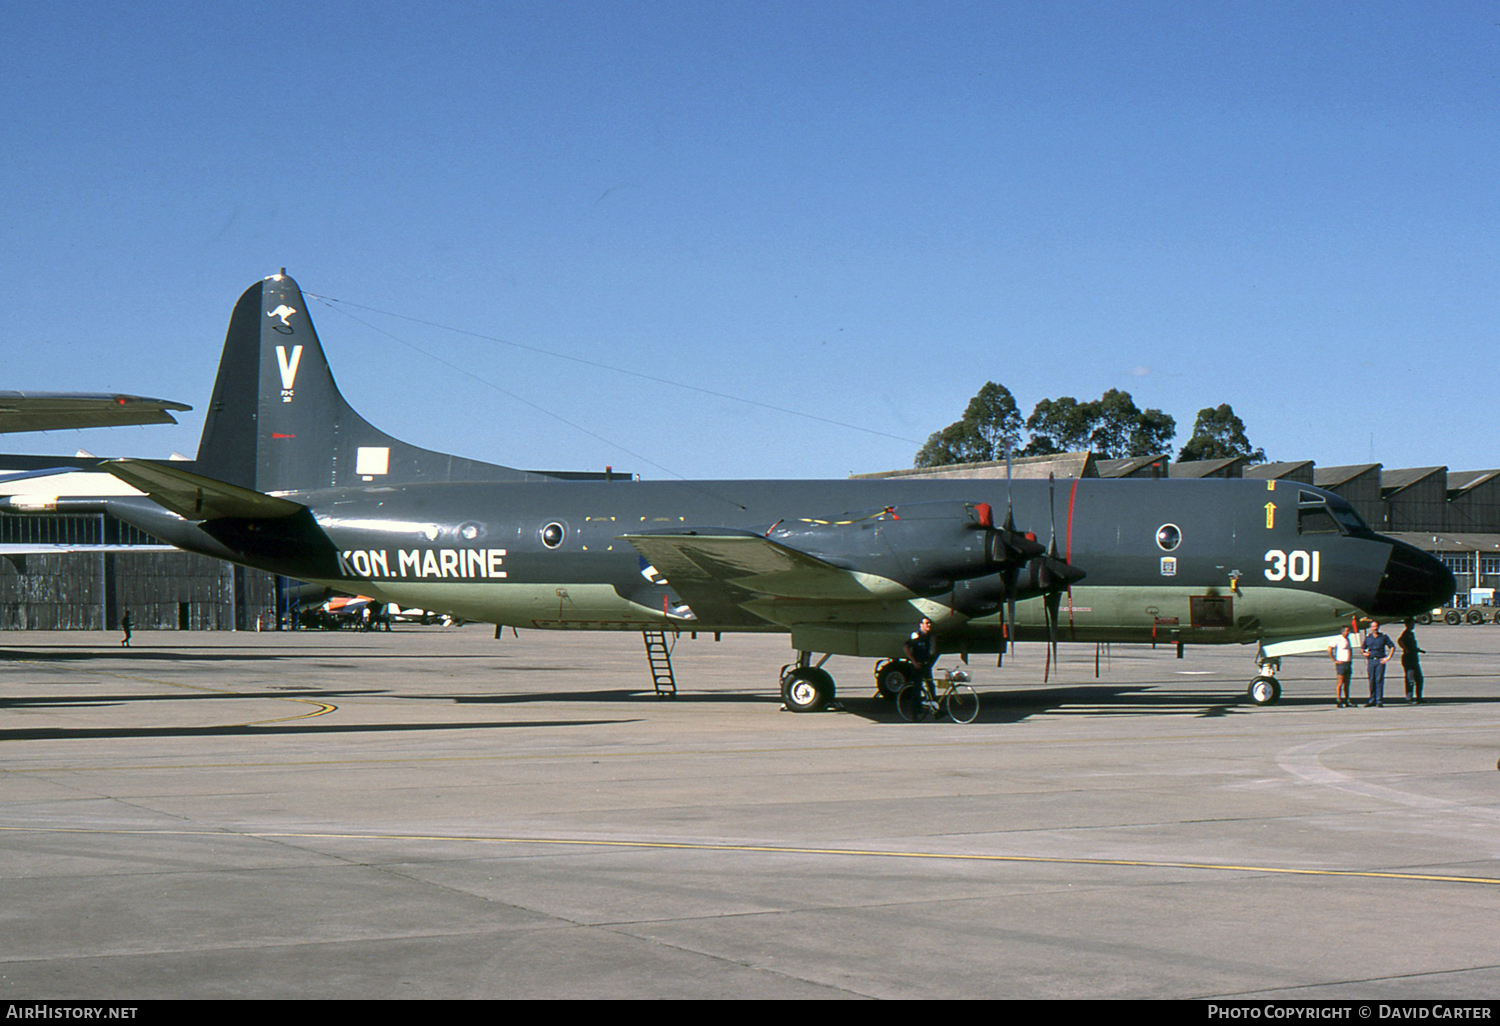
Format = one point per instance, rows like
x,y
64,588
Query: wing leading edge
x,y
720,573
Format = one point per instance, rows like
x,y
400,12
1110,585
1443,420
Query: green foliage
x,y
1217,435
991,423
1059,425
1112,426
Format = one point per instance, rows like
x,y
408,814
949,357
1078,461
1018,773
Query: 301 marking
x,y
1297,565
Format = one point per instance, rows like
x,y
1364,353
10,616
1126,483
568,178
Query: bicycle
x,y
952,697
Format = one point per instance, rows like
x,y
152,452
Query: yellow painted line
x,y
322,707
778,849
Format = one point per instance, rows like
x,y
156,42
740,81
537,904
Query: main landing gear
x,y
1264,688
805,686
892,675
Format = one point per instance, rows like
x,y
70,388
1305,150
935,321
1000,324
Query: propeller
x,y
1052,576
1050,596
1047,572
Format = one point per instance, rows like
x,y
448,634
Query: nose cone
x,y
1414,582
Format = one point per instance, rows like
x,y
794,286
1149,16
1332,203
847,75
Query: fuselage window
x,y
1168,537
553,535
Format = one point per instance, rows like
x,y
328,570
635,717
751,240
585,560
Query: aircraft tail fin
x,y
278,423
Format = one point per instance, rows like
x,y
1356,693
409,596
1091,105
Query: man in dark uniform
x,y
125,626
1411,664
1378,649
921,649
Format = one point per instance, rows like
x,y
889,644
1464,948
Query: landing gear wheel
x,y
912,703
1265,690
962,704
892,676
806,689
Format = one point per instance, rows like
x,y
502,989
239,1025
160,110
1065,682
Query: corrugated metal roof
x,y
1332,477
1067,464
1404,477
1207,468
1294,469
1429,542
1467,480
1132,464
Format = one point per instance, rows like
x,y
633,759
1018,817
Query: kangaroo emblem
x,y
283,311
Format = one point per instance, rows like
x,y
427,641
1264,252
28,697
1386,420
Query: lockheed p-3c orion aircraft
x,y
290,479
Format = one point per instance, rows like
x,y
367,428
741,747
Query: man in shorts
x,y
1342,654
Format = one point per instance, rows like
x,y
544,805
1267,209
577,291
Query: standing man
x,y
1378,649
1342,654
921,649
1411,665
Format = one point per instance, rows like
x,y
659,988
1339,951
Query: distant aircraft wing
x,y
718,572
195,497
60,411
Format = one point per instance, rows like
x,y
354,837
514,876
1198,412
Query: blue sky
x,y
858,211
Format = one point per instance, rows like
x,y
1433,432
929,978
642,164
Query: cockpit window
x,y
1316,520
1317,514
1349,520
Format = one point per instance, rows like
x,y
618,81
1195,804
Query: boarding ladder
x,y
659,655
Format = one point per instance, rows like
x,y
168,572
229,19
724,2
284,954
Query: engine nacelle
x,y
926,546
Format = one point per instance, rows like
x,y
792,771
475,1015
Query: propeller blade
x,y
1052,513
1051,601
1010,524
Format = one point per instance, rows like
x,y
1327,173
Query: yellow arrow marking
x,y
1270,515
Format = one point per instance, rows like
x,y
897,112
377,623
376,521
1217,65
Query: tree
x,y
1112,426
991,423
1217,435
1059,425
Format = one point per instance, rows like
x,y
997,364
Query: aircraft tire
x,y
1265,690
891,677
806,689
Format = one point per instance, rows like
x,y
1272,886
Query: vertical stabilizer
x,y
277,422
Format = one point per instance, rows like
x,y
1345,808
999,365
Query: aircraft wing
x,y
195,497
59,411
717,572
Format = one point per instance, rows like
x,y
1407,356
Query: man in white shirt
x,y
1342,654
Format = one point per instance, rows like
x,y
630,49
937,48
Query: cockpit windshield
x,y
1320,514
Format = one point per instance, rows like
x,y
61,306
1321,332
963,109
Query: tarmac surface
x,y
436,813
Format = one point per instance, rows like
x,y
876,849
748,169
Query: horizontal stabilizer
x,y
196,497
63,411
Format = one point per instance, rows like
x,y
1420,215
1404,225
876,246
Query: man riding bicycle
x,y
921,649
